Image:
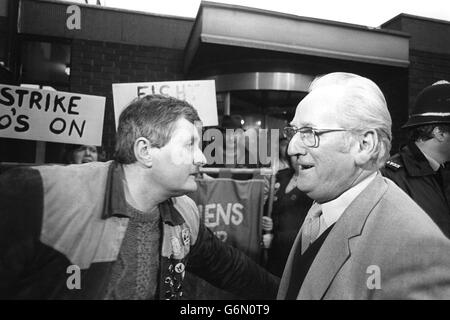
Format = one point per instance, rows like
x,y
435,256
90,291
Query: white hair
x,y
440,82
362,107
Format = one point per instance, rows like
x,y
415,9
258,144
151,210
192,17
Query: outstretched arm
x,y
228,268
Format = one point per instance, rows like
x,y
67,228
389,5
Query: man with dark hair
x,y
122,229
419,166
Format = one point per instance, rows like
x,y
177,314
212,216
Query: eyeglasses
x,y
308,135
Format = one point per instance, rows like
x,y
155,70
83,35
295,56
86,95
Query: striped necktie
x,y
311,227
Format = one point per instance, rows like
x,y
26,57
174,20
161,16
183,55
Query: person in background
x,y
284,161
77,154
290,207
419,167
122,229
228,153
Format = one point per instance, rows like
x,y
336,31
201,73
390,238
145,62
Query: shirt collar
x,y
433,163
115,201
332,210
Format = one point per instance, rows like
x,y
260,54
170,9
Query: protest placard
x,y
54,116
200,93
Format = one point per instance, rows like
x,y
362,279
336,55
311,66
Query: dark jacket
x,y
289,211
411,171
54,218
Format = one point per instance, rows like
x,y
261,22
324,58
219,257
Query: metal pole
x,y
227,104
40,152
265,253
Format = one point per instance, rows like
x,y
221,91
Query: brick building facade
x,y
116,46
95,65
429,50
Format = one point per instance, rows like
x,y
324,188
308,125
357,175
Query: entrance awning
x,y
238,26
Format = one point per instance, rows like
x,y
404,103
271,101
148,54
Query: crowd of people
x,y
348,221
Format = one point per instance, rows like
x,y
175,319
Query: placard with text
x,y
201,94
53,116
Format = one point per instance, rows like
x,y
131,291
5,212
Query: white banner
x,y
54,116
201,94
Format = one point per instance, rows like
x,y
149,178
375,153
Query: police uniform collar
x,y
415,162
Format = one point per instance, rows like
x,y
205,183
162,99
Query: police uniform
x,y
412,172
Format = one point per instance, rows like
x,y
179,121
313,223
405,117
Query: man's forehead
x,y
301,113
185,128
317,106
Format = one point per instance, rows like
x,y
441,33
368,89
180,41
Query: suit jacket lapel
x,y
337,247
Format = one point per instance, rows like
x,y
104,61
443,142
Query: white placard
x,y
201,94
54,116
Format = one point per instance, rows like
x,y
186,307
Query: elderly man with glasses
x,y
363,237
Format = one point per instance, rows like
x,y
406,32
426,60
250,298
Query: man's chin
x,y
304,187
308,190
193,187
188,188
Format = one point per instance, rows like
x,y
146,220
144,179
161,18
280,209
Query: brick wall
x,y
425,69
3,38
429,52
395,89
96,65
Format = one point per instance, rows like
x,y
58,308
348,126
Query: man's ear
x,y
438,134
366,147
143,151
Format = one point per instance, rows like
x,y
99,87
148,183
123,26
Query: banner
x,y
201,94
232,210
54,116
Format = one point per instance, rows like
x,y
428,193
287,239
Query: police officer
x,y
419,166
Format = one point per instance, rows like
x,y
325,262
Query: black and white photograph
x,y
228,154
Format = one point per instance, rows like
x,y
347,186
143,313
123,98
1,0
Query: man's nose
x,y
199,158
296,146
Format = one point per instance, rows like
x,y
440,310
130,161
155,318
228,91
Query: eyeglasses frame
x,y
316,132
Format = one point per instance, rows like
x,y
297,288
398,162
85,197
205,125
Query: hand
x,y
275,190
267,188
267,240
267,224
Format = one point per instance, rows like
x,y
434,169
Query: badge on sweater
x,y
179,268
186,236
176,246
